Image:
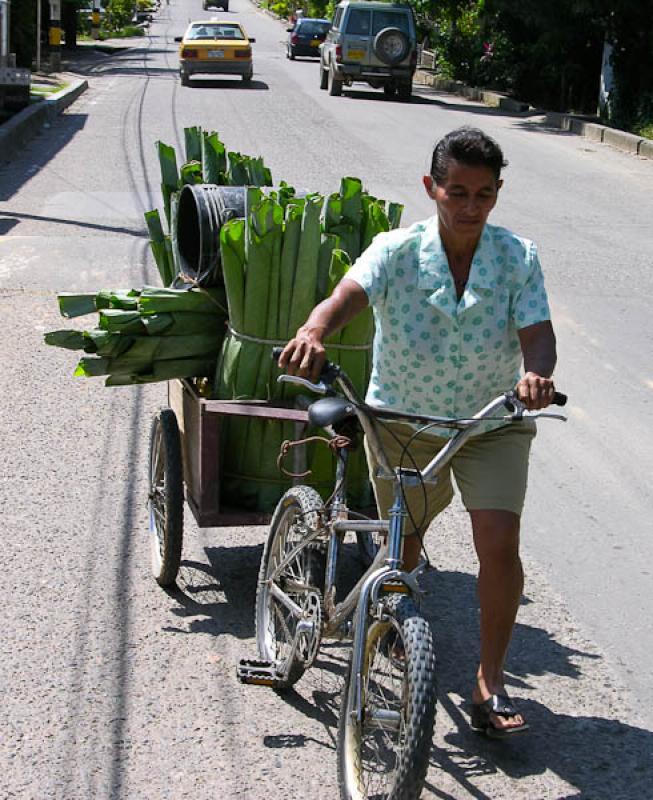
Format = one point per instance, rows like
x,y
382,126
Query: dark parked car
x,y
306,36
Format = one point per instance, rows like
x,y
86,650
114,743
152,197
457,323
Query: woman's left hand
x,y
534,391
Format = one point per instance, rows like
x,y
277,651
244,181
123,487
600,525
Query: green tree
x,y
22,31
628,26
119,13
548,53
555,50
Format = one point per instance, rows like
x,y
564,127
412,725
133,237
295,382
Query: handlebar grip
x,y
329,369
559,399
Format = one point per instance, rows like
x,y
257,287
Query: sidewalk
x,y
24,125
21,127
582,126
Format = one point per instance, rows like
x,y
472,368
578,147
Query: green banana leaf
x,y
193,143
169,174
76,305
214,159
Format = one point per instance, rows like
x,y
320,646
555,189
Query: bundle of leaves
x,y
145,335
286,256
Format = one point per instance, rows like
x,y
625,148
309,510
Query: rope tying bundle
x,y
281,343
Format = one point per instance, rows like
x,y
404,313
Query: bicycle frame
x,y
385,574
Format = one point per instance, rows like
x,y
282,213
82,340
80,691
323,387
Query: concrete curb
x,y
16,132
494,99
627,142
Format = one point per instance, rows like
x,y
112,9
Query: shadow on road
x,y
542,126
233,83
6,224
600,758
221,595
581,750
38,152
87,62
427,96
9,219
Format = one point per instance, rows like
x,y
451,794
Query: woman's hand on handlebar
x,y
534,391
304,355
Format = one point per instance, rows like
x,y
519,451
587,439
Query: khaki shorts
x,y
491,471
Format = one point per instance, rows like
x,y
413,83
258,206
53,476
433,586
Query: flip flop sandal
x,y
502,706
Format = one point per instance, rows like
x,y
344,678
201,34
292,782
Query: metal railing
x,y
426,59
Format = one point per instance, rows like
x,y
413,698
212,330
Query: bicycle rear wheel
x,y
299,582
386,755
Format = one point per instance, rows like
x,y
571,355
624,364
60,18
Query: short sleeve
x,y
530,303
370,270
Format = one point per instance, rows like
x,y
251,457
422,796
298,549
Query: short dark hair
x,y
469,146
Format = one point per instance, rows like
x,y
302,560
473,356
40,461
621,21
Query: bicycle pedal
x,y
258,673
394,587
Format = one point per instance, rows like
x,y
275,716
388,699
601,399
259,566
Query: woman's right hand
x,y
304,355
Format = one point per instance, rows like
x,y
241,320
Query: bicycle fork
x,y
387,580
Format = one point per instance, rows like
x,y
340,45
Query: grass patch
x,y
123,33
645,130
126,32
44,89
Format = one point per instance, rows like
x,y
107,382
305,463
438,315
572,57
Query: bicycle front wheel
x,y
385,755
289,593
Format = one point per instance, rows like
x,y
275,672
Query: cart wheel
x,y
166,497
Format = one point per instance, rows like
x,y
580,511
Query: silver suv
x,y
369,41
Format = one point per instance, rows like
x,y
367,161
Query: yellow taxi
x,y
215,47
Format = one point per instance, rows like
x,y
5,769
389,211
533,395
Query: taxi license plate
x,y
356,54
315,42
216,53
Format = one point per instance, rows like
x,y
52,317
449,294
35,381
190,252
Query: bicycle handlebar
x,y
331,371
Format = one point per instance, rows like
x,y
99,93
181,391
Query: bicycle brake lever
x,y
547,414
318,388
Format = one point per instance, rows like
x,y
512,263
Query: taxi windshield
x,y
207,31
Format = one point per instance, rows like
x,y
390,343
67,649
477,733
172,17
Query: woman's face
x,y
464,199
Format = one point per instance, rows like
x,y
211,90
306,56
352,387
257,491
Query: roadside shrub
x,y
119,13
281,9
127,31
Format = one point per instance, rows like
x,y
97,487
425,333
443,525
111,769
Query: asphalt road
x,y
114,688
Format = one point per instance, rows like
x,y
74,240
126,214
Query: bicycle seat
x,y
330,411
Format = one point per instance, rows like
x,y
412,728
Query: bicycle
x,y
388,703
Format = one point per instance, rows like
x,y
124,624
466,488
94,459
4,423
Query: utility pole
x,y
95,20
54,36
4,33
38,35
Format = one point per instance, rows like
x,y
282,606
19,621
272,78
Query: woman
x,y
458,305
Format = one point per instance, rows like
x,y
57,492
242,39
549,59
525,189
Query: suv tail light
x,y
338,53
413,58
188,52
294,38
